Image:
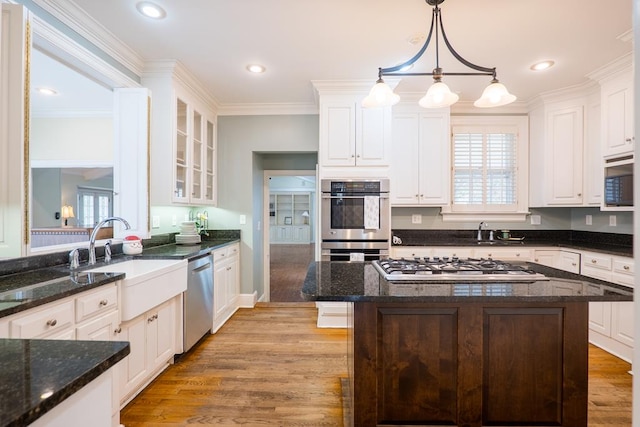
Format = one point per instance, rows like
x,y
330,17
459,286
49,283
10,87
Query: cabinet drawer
x,y
220,254
99,301
569,261
504,254
596,261
43,322
410,252
623,271
233,250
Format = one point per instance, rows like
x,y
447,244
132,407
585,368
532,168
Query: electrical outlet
x,y
588,219
613,221
243,219
416,219
535,219
156,222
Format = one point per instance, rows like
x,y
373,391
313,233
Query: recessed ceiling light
x,y
256,68
542,65
150,10
47,91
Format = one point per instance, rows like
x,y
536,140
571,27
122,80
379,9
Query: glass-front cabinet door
x,y
181,191
197,147
210,164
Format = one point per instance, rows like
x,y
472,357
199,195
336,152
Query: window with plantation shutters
x,y
488,170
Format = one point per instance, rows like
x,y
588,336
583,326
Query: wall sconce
x,y
67,212
305,217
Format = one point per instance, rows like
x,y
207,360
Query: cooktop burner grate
x,y
453,268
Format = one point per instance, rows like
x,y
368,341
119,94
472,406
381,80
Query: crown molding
x,y
93,31
173,69
613,69
267,109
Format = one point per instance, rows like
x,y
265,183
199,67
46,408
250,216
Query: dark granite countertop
x,y
22,291
31,369
361,282
609,243
186,251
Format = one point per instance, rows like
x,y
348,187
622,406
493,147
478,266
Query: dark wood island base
x,y
469,364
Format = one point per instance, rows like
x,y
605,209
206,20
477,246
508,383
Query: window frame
x,y
505,213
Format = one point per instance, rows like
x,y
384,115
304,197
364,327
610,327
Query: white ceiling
x,y
300,41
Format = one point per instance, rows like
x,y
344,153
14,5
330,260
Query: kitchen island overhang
x,y
467,353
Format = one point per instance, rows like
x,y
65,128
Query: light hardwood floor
x,y
270,366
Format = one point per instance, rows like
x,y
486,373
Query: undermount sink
x,y
147,283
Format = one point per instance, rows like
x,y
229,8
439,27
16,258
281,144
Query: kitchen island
x,y
465,353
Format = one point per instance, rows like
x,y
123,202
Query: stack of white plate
x,y
188,234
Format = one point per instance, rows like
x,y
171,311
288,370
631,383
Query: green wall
x,y
247,146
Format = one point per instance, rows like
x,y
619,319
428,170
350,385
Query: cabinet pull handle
x,y
573,264
52,322
626,267
117,331
593,261
228,268
104,302
152,318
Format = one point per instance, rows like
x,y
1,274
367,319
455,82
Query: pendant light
x,y
439,95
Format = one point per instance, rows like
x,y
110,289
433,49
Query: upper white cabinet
x,y
183,136
351,135
557,161
420,161
618,134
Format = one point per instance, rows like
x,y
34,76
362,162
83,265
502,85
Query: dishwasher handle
x,y
201,268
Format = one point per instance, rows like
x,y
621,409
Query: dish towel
x,y
371,212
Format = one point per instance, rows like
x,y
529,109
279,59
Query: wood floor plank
x,y
271,366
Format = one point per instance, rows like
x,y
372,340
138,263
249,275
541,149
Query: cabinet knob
x,y
517,254
489,255
593,261
536,259
573,264
629,140
52,322
104,302
579,194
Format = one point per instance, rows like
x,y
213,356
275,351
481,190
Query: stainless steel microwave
x,y
618,190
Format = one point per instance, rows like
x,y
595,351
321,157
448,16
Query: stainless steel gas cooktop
x,y
454,269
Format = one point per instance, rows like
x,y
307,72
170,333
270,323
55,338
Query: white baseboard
x,y
612,346
248,300
332,314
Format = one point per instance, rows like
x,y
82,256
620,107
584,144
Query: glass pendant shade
x,y
380,95
438,96
495,95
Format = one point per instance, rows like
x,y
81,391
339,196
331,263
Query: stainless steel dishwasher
x,y
198,300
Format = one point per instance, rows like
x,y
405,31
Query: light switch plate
x,y
588,219
243,219
156,221
416,219
613,221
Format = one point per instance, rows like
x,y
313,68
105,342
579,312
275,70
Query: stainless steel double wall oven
x,y
355,219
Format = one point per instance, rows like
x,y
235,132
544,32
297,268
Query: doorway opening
x,y
290,232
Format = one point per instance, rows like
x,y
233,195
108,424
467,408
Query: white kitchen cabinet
x,y
618,134
593,171
420,162
183,124
152,339
611,323
563,173
569,261
54,320
546,257
226,283
510,253
351,135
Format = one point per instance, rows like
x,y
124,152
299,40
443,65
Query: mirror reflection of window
x,y
94,205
